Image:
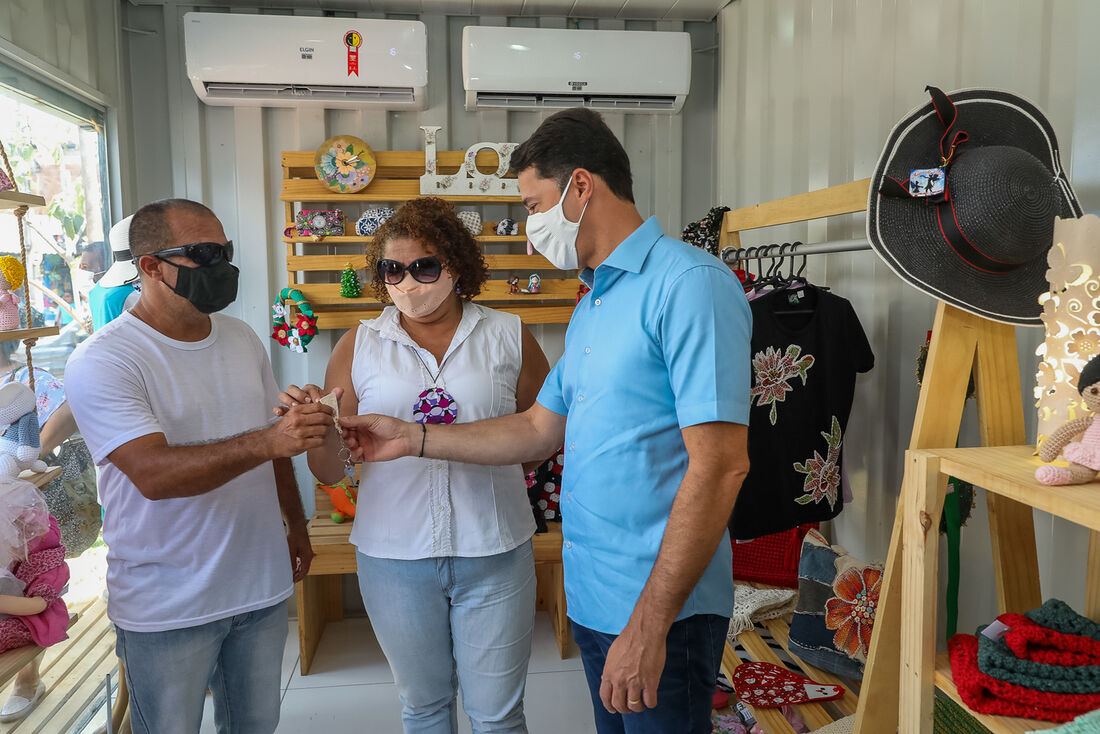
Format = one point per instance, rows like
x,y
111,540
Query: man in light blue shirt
x,y
652,398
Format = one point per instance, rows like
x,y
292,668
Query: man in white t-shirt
x,y
174,401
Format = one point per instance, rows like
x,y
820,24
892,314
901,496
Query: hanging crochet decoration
x,y
349,283
298,336
345,164
12,275
765,685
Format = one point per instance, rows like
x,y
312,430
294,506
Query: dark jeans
x,y
685,695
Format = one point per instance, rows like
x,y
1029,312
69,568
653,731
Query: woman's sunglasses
x,y
200,253
423,270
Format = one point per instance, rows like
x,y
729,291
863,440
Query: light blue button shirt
x,y
659,344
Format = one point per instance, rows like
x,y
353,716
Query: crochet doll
x,y
11,278
1083,455
19,431
32,559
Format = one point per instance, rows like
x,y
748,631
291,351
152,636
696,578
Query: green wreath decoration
x,y
299,335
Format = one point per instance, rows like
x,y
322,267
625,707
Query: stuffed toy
x,y
11,278
32,562
1083,455
19,431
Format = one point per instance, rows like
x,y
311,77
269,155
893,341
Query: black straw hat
x,y
963,201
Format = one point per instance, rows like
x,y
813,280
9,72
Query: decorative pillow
x,y
472,220
371,220
507,228
838,596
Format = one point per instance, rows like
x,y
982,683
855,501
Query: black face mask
x,y
210,288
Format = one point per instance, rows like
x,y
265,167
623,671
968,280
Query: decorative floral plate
x,y
345,164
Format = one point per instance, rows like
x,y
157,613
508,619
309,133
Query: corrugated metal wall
x,y
229,157
807,94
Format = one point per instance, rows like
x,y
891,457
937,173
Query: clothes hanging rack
x,y
734,254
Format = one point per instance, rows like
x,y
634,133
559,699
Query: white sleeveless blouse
x,y
413,508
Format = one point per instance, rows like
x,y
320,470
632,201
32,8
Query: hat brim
x,y
118,274
906,235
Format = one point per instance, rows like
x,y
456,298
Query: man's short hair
x,y
149,229
572,139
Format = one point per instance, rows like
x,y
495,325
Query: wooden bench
x,y
73,671
320,593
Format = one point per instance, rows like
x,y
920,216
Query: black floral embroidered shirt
x,y
807,347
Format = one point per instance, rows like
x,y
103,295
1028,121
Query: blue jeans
x,y
446,623
239,658
685,695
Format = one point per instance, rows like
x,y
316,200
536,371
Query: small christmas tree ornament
x,y
349,283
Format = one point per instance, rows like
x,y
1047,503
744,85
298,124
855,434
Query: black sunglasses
x,y
423,270
200,253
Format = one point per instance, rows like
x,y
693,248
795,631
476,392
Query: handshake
x,y
308,418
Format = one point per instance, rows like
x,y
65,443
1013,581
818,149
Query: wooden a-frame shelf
x,y
1004,471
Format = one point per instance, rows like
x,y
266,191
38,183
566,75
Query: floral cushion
x,y
838,597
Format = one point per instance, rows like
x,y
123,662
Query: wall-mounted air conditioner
x,y
292,61
539,68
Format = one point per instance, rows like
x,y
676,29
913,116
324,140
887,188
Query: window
x,y
56,148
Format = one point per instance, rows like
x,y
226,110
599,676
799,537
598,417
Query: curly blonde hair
x,y
434,223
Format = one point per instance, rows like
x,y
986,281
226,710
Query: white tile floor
x,y
350,689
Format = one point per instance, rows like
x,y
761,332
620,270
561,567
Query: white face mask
x,y
421,299
554,236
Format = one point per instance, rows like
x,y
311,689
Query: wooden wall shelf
x,y
398,180
16,199
24,334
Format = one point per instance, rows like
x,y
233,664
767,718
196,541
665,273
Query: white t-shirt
x,y
413,508
182,562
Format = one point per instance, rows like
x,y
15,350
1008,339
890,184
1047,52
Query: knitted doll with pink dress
x,y
33,572
1083,455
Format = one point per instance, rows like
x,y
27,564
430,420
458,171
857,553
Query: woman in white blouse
x,y
444,549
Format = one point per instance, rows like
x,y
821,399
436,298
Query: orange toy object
x,y
343,500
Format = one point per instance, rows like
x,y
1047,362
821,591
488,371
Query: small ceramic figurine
x,y
534,284
1083,454
513,285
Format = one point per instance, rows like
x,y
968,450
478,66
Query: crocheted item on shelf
x,y
1085,724
751,605
1030,641
1055,614
995,659
987,695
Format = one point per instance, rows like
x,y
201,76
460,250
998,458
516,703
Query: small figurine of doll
x,y
33,572
1083,455
534,284
513,285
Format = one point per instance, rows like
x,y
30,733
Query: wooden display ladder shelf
x,y
398,180
1008,472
